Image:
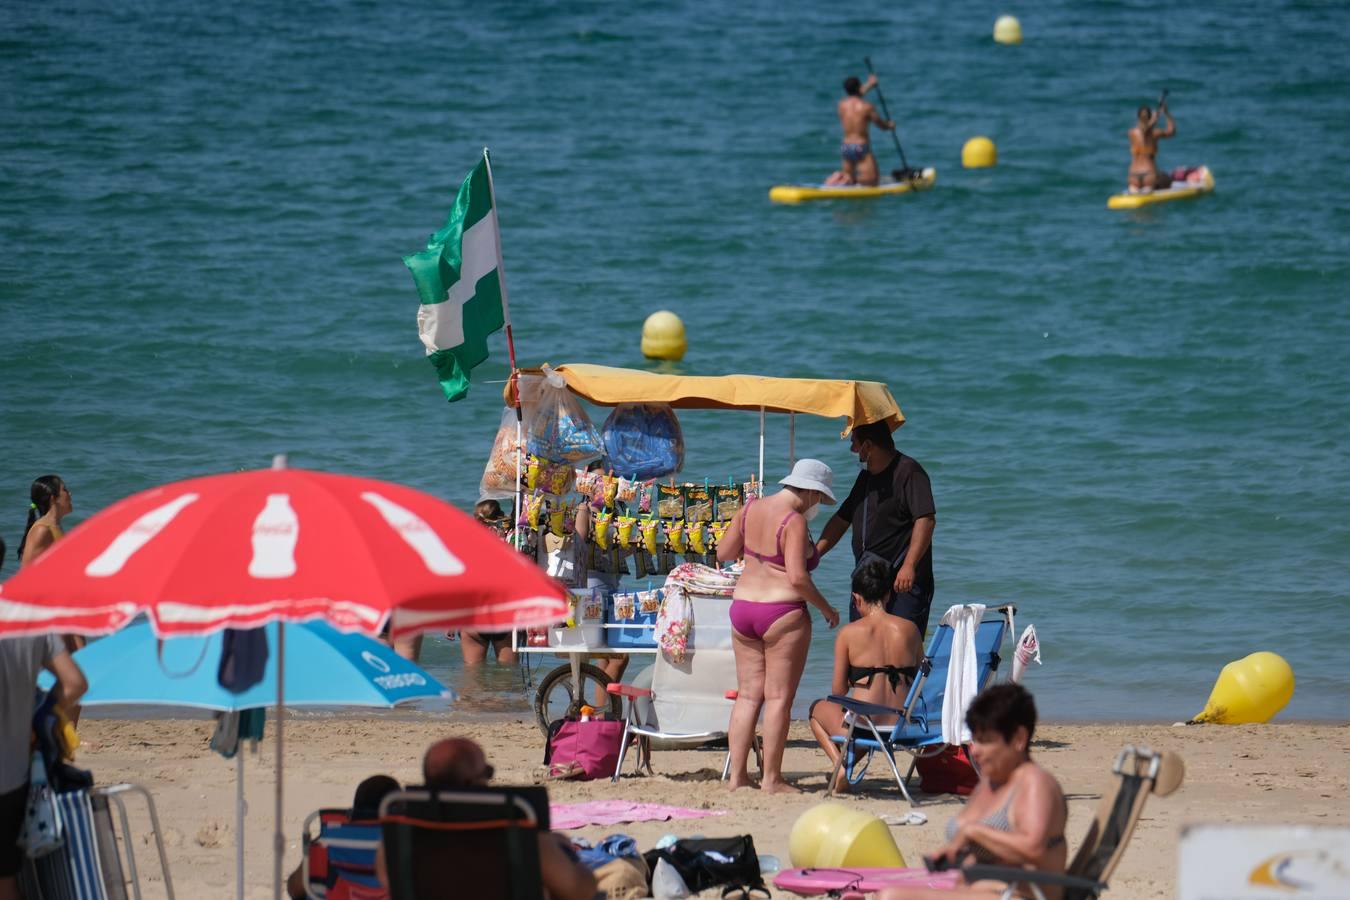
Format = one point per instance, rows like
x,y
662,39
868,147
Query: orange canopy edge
x,y
860,402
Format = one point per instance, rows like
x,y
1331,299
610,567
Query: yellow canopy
x,y
860,402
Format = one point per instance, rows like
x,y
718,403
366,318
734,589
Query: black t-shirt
x,y
891,501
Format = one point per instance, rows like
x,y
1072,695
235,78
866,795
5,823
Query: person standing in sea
x,y
892,514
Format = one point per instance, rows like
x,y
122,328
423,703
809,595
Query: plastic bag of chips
x,y
560,430
643,441
499,475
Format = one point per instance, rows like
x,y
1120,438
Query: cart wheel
x,y
555,699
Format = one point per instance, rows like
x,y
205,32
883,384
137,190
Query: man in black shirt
x,y
892,514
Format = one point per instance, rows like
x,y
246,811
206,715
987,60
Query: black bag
x,y
708,862
868,557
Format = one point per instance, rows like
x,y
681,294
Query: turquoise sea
x,y
1137,424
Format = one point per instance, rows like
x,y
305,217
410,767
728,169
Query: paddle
x,y
905,173
1161,101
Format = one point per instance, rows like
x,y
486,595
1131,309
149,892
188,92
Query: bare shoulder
x,y
1038,778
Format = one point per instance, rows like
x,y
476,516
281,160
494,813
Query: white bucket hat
x,y
811,475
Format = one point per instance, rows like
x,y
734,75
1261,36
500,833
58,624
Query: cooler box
x,y
630,618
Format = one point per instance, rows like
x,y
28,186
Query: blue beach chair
x,y
918,727
339,862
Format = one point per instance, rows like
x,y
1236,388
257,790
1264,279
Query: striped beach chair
x,y
339,860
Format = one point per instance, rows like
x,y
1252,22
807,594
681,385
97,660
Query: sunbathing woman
x,y
876,657
771,629
1016,814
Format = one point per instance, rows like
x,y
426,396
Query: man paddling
x,y
1144,137
859,166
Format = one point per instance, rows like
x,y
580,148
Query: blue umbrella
x,y
324,667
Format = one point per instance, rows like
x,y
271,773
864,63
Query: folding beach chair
x,y
1142,772
691,700
89,864
469,842
339,861
918,727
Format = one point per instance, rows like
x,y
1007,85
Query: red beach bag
x,y
950,772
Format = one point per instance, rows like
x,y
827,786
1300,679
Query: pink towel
x,y
614,812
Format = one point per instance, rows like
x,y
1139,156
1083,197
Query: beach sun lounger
x,y
918,726
1142,772
470,842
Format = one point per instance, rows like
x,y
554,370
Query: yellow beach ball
x,y
831,835
1007,30
1251,689
663,336
979,153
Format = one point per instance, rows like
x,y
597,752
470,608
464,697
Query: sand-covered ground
x,y
1292,773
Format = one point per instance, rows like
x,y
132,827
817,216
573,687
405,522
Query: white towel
x,y
1028,651
963,672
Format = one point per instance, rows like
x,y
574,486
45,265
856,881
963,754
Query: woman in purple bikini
x,y
771,629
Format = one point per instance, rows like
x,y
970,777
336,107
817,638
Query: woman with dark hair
x,y
875,659
49,504
1017,813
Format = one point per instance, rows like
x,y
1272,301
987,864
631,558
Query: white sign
x,y
1237,862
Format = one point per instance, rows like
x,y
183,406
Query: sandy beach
x,y
1283,773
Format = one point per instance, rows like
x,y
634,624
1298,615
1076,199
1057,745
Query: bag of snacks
x,y
643,441
499,475
560,430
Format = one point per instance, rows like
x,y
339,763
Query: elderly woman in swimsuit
x,y
771,629
1017,813
875,659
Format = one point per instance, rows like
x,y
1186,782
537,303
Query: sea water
x,y
1136,423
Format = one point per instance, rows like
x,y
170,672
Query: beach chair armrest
x,y
863,708
1013,874
627,690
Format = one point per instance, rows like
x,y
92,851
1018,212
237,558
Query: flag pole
x,y
517,500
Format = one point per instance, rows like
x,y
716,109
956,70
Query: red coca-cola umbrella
x,y
241,550
248,548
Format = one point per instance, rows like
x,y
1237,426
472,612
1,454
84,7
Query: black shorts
x,y
13,808
913,605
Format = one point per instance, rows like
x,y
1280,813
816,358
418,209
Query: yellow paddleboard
x,y
800,193
1178,191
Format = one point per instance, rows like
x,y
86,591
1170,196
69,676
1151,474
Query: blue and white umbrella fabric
x,y
324,667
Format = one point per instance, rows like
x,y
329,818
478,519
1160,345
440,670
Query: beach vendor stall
x,y
603,509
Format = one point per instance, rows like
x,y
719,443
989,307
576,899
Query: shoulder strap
x,y
778,538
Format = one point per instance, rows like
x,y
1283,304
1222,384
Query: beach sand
x,y
1288,773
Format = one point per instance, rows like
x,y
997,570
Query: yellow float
x,y
800,193
663,336
832,835
1181,190
1007,30
1251,689
979,153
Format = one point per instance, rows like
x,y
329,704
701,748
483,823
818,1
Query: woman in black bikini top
x,y
877,644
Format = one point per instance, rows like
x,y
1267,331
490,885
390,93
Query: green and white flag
x,y
459,279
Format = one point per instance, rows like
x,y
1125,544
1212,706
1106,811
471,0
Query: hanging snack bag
x,y
729,499
499,475
670,501
560,430
556,478
697,503
643,440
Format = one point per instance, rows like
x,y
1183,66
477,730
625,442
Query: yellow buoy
x,y
1007,30
1251,689
663,336
832,835
979,153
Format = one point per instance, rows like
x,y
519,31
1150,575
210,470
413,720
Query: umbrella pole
x,y
761,451
279,838
239,821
